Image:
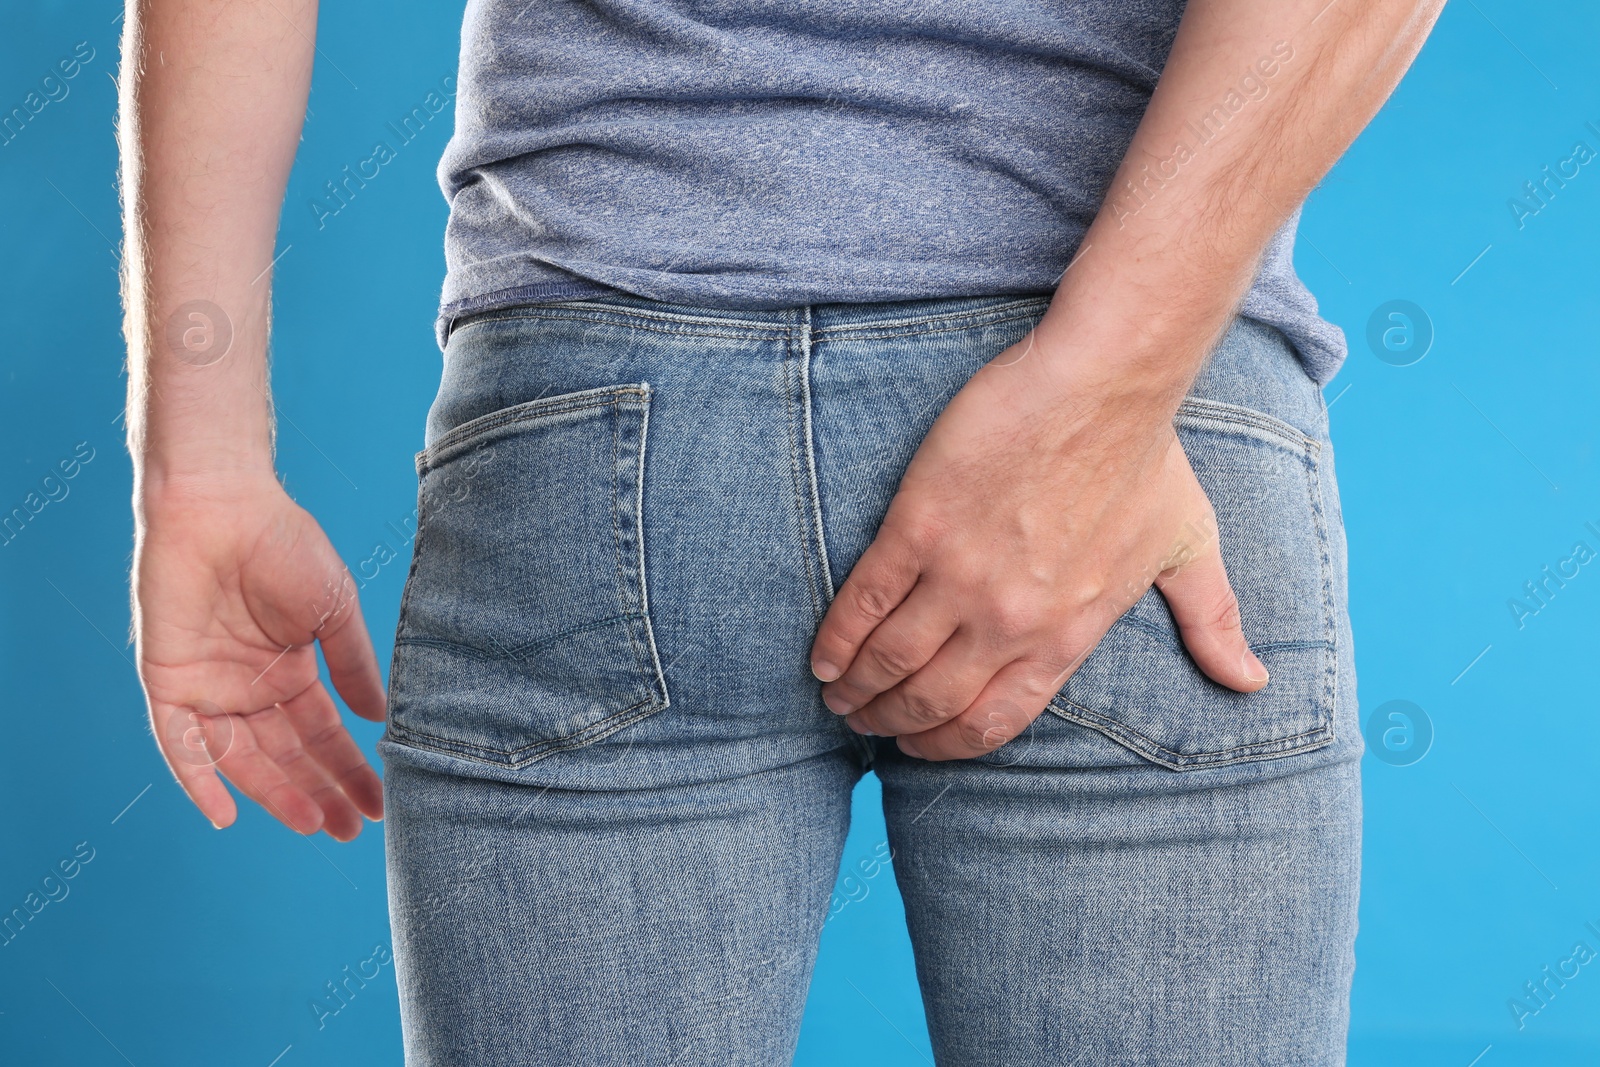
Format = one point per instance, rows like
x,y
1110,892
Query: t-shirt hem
x,y
535,293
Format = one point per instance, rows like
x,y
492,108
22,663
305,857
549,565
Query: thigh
x,y
1093,918
1161,870
615,800
674,925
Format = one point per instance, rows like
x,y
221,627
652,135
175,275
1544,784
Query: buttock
x,y
632,516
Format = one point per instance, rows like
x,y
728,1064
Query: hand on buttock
x,y
1038,509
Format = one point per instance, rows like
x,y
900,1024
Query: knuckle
x,y
918,538
873,601
975,733
1063,656
1223,613
1011,620
895,661
922,708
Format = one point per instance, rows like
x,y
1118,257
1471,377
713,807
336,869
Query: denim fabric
x,y
761,154
616,803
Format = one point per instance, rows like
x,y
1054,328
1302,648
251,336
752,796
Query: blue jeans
x,y
616,803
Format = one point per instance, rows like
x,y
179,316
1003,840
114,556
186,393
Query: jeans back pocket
x,y
524,626
1141,688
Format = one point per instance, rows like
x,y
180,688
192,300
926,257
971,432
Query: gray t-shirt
x,y
767,153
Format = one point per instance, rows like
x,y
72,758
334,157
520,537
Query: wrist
x,y
160,487
1137,378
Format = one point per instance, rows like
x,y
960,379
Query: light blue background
x,y
1462,475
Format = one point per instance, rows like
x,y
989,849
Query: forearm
x,y
213,97
1257,101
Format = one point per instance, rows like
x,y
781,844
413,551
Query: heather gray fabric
x,y
753,154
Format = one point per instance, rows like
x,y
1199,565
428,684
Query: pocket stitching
x,y
518,757
650,671
527,411
1204,409
1323,735
1309,449
649,668
500,655
660,675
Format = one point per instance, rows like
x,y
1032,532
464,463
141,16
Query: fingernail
x,y
859,727
217,824
1254,669
825,671
907,747
837,704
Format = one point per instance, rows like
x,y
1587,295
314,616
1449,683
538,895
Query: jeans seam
x,y
794,396
396,660
524,412
809,446
501,654
1330,670
640,319
619,537
654,666
519,757
944,322
1121,731
819,572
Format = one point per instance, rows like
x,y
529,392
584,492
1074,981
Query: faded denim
x,y
616,802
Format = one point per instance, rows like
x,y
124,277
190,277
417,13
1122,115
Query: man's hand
x,y
230,593
1024,527
1052,492
232,582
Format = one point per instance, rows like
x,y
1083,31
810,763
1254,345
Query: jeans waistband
x,y
832,318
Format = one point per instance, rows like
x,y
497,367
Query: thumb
x,y
1202,602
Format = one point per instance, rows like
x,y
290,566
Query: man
x,y
989,309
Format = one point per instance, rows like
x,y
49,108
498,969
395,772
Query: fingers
x,y
295,759
933,695
277,738
318,729
1207,614
259,777
352,663
182,737
200,739
899,646
882,577
302,749
1006,707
